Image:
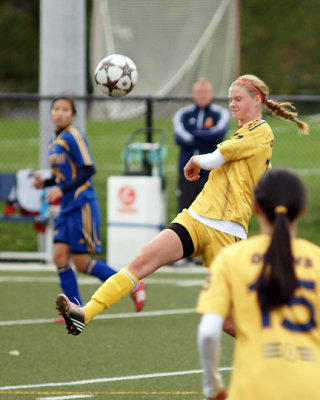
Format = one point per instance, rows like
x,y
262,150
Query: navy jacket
x,y
199,130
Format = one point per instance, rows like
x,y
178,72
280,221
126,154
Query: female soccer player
x,y
77,225
271,283
218,216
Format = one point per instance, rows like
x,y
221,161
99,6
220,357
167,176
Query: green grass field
x,y
123,355
20,147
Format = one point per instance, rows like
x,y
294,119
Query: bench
x,y
7,182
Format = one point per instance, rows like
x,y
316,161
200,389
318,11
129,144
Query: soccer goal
x,y
172,43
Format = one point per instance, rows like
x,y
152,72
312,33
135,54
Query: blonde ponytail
x,y
282,110
255,86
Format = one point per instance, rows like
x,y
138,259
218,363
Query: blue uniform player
x,y
76,231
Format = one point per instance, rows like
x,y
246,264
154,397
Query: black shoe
x,y
72,313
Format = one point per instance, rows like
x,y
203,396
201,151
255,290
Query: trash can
x,y
136,201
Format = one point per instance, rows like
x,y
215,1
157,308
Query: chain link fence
x,y
108,138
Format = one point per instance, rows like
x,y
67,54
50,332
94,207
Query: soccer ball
x,y
116,75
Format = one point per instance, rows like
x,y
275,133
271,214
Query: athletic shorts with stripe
x,y
80,228
199,239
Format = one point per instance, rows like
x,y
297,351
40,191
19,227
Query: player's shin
x,y
99,269
69,284
109,293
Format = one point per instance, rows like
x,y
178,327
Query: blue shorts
x,y
80,228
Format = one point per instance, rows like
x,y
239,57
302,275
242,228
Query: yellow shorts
x,y
207,241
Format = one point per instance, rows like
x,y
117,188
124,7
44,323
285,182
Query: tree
x,y
19,45
280,44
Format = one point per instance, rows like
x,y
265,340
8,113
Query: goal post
x,y
62,61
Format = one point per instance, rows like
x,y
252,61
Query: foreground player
x,y
219,215
271,283
76,228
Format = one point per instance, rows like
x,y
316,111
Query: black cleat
x,y
72,313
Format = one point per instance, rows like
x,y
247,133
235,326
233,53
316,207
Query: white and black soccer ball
x,y
116,75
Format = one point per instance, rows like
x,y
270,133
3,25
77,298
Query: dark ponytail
x,y
281,196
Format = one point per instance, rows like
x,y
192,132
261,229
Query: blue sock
x,y
99,269
69,283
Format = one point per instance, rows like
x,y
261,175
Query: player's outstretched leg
x,y
109,293
72,314
138,295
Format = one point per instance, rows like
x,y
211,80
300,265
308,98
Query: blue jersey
x,y
199,130
67,153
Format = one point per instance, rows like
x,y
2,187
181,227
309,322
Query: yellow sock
x,y
109,293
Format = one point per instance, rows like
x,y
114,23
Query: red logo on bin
x,y
127,195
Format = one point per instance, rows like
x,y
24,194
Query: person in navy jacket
x,y
198,128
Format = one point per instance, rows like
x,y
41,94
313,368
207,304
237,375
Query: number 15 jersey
x,y
277,353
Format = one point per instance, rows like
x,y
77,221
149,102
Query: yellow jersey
x,y
277,353
228,193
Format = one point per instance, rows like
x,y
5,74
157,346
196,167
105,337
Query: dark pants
x,y
188,191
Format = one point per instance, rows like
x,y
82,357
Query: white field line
x,y
142,314
307,171
73,396
105,380
20,266
93,281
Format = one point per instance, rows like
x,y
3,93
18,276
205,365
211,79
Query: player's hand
x,y
54,194
38,182
192,170
223,395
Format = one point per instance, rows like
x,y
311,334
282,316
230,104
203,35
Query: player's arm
x,y
49,182
215,134
85,172
41,183
214,304
182,135
209,336
210,160
81,156
206,161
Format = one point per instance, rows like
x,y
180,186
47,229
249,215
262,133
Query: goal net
x,y
172,42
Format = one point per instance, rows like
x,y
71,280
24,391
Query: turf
x,y
137,356
128,357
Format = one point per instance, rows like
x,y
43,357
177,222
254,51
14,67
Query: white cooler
x,y
136,213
